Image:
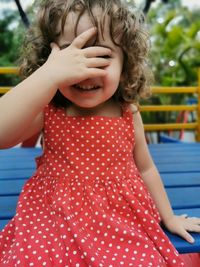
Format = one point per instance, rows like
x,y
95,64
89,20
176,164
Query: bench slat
x,y
16,174
8,206
184,197
10,187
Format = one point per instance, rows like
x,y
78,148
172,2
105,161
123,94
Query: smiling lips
x,y
86,87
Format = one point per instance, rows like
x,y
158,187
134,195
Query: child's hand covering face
x,y
75,63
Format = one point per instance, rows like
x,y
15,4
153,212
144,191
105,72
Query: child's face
x,y
104,87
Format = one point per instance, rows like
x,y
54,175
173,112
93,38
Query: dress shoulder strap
x,y
128,114
50,115
129,110
50,111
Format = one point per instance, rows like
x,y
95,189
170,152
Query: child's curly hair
x,y
124,23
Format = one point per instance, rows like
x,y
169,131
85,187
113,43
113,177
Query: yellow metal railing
x,y
153,108
175,126
7,70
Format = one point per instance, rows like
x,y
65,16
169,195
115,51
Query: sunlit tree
x,y
175,49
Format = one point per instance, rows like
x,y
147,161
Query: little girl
x,y
96,198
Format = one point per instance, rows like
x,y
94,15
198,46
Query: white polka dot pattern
x,y
86,205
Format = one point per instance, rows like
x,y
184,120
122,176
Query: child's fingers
x,y
97,51
196,219
185,235
82,39
193,228
97,62
95,72
192,224
184,215
193,220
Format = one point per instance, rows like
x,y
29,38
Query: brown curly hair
x,y
129,25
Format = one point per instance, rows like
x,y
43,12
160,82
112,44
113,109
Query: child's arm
x,y
21,108
176,224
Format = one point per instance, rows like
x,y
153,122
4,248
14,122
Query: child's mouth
x,y
86,88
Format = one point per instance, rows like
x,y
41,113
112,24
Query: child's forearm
x,y
155,186
20,106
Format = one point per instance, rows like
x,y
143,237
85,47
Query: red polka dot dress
x,y
86,204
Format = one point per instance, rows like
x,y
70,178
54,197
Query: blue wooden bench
x,y
178,164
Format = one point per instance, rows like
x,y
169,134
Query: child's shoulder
x,y
134,108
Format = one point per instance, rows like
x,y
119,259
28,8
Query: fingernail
x,y
191,240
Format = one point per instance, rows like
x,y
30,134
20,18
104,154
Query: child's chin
x,y
88,105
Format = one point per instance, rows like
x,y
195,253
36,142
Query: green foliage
x,y
175,37
9,39
175,42
12,32
175,53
